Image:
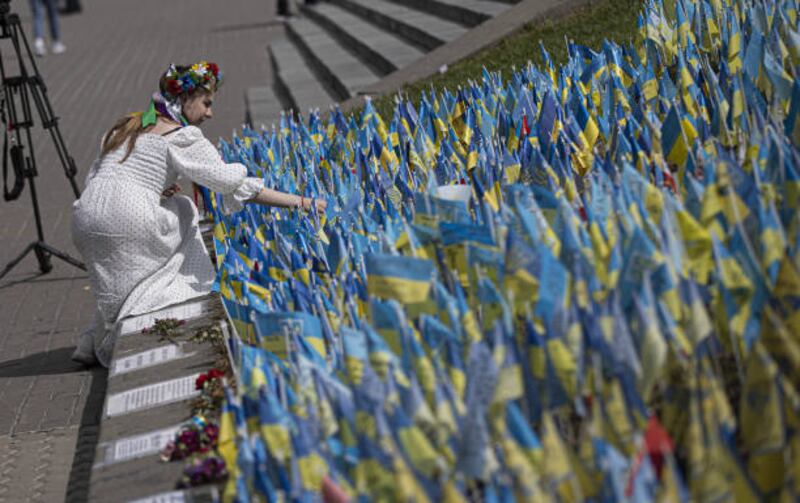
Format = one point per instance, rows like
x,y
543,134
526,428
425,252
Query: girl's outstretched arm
x,y
271,197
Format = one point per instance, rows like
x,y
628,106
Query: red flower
x,y
174,87
208,376
213,68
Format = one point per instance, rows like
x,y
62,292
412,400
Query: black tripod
x,y
15,111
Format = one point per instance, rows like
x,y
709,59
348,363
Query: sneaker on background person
x,y
39,47
40,8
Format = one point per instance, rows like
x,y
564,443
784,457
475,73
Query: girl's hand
x,y
171,190
306,203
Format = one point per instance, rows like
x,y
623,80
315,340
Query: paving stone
x,y
32,468
51,401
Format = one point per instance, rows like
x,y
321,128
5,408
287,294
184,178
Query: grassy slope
x,y
605,19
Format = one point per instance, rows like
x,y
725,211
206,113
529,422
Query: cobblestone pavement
x,y
39,477
115,51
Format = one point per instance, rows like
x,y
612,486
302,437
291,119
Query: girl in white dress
x,y
140,241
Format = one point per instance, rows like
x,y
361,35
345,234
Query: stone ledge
x,y
126,466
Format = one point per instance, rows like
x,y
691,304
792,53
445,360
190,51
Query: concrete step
x,y
382,51
294,83
465,12
262,107
339,71
416,27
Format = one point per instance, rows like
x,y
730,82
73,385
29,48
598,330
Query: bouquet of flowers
x,y
202,470
196,436
211,392
165,329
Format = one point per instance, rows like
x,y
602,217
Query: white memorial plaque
x,y
182,312
135,447
149,358
152,395
170,497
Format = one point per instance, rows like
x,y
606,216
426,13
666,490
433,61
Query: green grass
x,y
606,19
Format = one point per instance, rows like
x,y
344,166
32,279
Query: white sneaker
x,y
58,47
39,47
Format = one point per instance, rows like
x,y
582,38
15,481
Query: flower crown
x,y
203,74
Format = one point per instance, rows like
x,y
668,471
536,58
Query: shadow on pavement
x,y
40,278
89,433
52,362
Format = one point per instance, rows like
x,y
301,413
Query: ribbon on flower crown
x,y
160,105
150,116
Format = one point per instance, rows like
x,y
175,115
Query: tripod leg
x,y
50,123
16,101
38,90
17,260
43,257
59,254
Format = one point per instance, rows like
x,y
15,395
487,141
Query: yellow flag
x,y
558,476
762,425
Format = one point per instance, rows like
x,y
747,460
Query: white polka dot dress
x,y
144,251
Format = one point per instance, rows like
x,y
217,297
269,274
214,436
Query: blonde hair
x,y
126,129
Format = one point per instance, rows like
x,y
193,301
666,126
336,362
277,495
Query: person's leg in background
x,y
38,28
55,28
283,7
72,6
